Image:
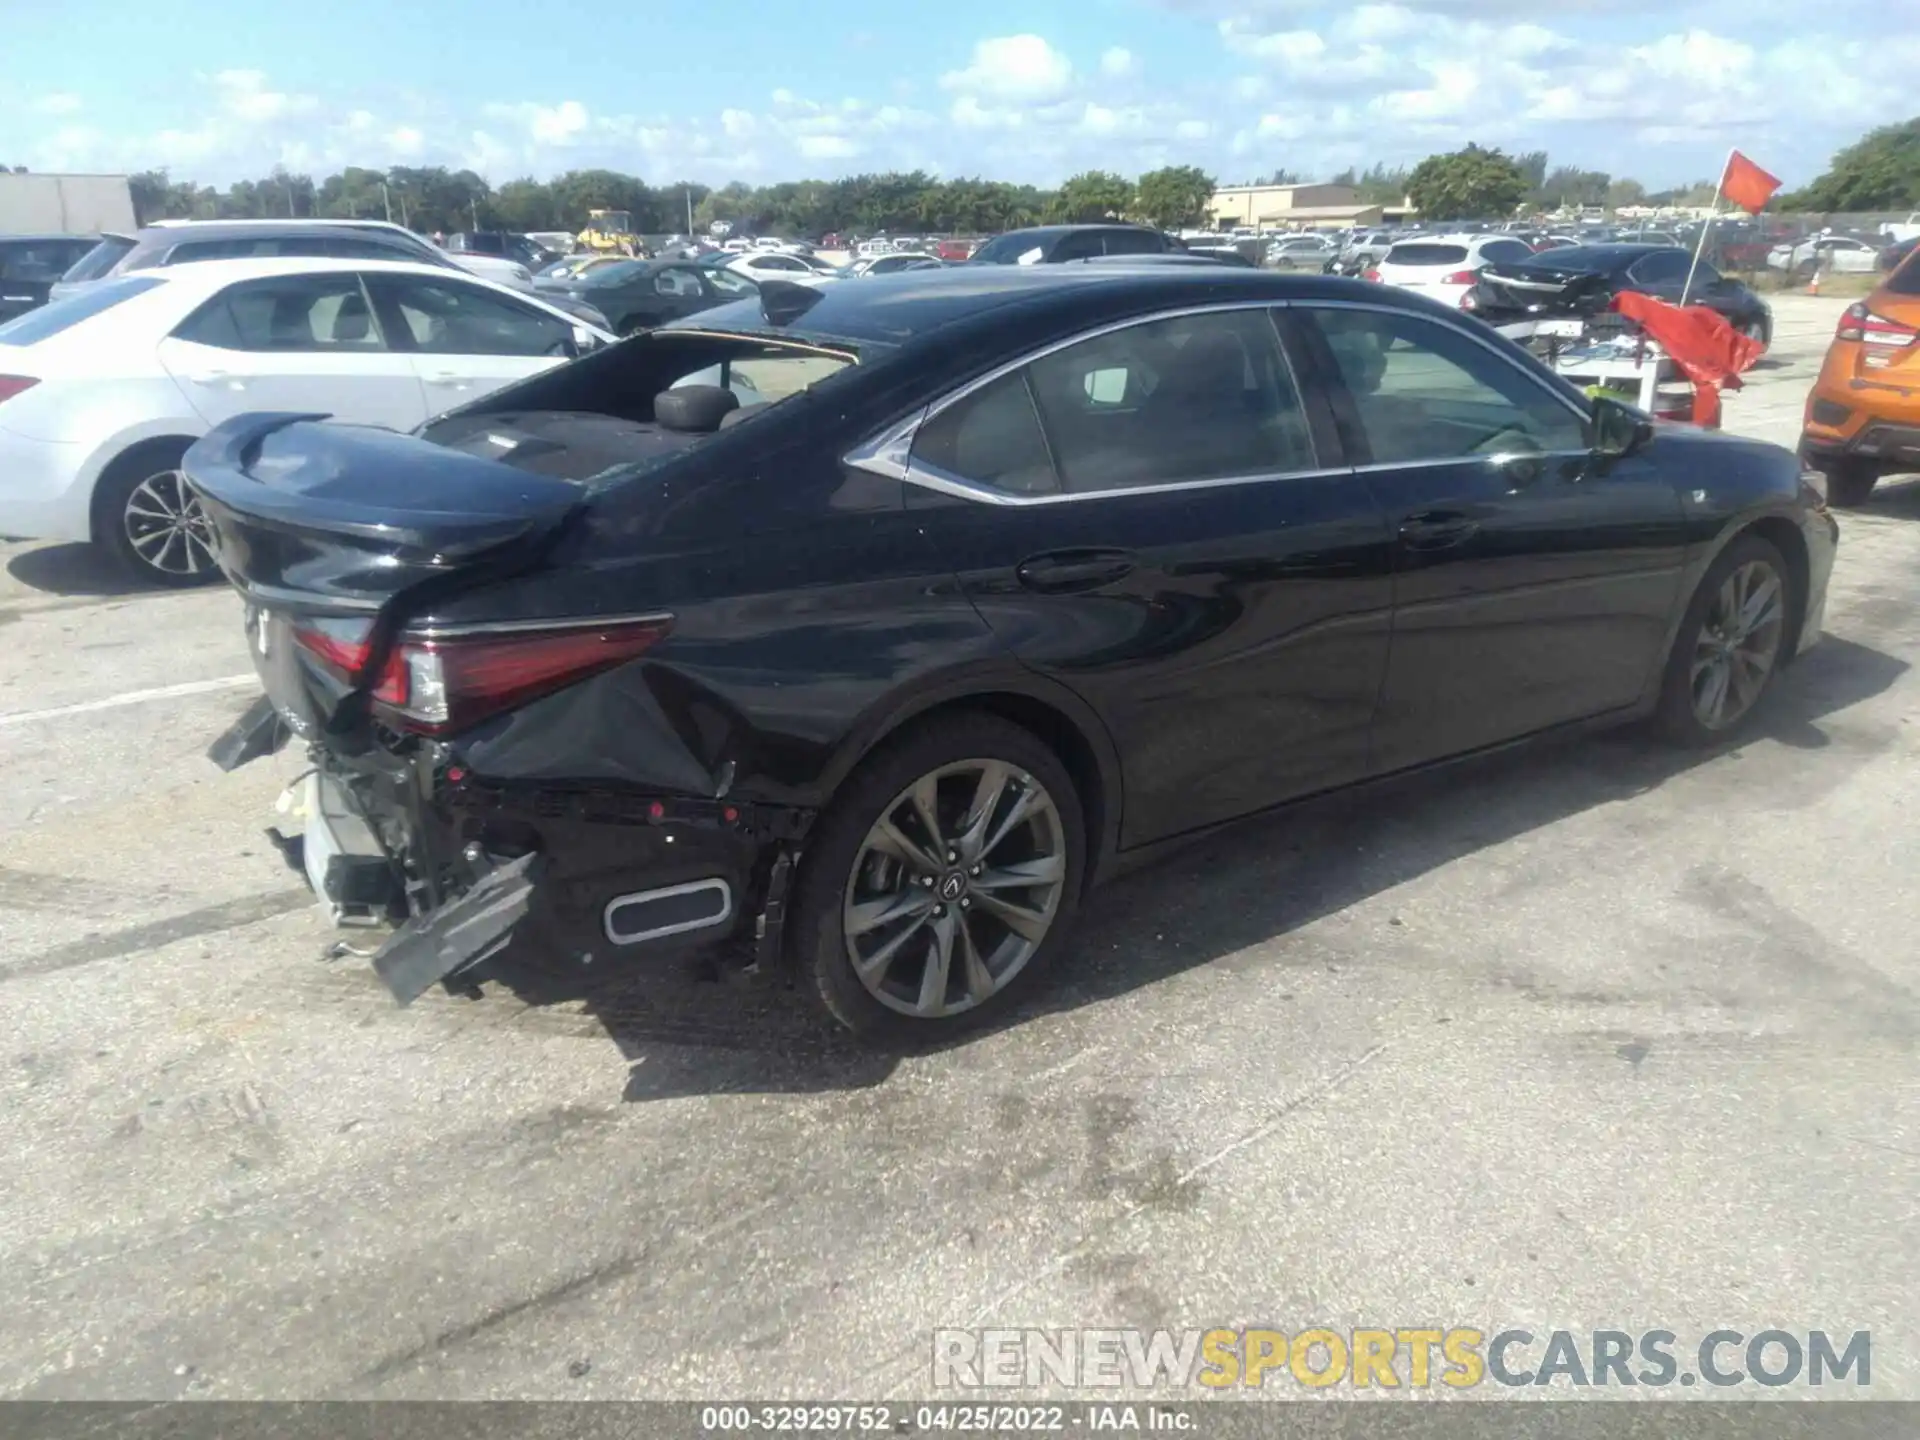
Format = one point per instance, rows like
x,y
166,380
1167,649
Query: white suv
x,y
1446,267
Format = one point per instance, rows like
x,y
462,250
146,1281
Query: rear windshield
x,y
95,264
1426,254
44,260
50,320
1905,279
1005,249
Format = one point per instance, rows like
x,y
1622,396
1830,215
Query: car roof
x,y
1071,229
214,274
176,234
908,305
41,237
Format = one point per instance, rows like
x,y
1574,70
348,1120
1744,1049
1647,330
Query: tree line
x,y
1879,172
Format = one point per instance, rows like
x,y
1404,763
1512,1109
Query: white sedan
x,y
102,393
769,265
1837,254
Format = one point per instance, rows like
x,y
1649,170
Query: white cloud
x,y
1013,67
1119,62
58,103
244,95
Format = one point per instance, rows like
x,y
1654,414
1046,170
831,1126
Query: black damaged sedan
x,y
860,630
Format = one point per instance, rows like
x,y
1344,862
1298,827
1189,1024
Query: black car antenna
x,y
782,302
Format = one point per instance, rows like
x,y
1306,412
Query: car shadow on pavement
x,y
1896,495
1250,883
84,570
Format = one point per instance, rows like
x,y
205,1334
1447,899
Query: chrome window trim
x,y
890,453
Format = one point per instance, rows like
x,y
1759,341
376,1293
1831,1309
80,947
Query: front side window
x,y
677,283
1426,391
288,313
447,317
1135,242
726,282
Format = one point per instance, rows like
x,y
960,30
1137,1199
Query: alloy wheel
x,y
954,888
167,527
1738,644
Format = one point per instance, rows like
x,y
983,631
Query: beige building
x,y
1307,207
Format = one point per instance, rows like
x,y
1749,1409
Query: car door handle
x,y
448,378
1436,529
219,378
1071,572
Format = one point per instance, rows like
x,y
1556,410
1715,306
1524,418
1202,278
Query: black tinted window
x,y
42,260
1081,245
1135,242
1199,397
447,317
1426,253
991,437
301,313
1505,252
1660,267
1905,279
1426,391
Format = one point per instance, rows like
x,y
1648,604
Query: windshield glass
x,y
1426,254
95,264
51,320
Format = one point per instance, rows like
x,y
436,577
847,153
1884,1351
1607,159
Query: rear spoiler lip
x,y
220,468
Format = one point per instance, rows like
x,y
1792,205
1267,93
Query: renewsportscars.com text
x,y
1414,1358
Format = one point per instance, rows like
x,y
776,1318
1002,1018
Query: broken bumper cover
x,y
259,731
463,932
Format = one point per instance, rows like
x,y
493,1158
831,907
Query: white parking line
x,y
133,697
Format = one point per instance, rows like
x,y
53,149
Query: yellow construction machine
x,y
609,232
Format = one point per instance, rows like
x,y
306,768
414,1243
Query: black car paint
x,y
1588,277
635,303
1254,648
31,265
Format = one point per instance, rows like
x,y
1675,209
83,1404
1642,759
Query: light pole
x,y
386,200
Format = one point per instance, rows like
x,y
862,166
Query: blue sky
x,y
762,90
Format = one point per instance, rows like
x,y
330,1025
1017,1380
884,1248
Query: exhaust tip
x,y
648,915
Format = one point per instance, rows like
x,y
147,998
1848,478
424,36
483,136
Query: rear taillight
x,y
12,385
436,684
1462,277
1859,323
1370,275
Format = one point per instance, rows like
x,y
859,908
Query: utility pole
x,y
689,212
473,212
386,200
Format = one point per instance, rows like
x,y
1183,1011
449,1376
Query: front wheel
x,y
941,881
1731,643
148,518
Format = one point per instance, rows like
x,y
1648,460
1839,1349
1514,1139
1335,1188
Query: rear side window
x,y
321,314
1659,268
1426,253
1504,252
50,320
1135,242
991,437
95,264
1905,279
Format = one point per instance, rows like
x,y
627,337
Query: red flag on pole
x,y
1746,184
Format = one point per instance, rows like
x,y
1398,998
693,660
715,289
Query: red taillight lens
x,y
432,686
1462,277
12,385
1860,323
1370,275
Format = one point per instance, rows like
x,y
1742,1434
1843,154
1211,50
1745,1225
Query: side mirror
x,y
1619,429
585,342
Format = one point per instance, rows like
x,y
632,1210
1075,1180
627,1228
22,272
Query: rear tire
x,y
146,517
1730,646
1849,482
937,957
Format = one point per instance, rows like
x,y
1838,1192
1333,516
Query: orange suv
x,y
1863,415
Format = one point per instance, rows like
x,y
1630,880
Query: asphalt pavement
x,y
1594,1036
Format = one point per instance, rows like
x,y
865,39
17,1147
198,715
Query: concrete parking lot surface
x,y
1595,1036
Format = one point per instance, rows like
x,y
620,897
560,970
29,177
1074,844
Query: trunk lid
x,y
355,527
1541,287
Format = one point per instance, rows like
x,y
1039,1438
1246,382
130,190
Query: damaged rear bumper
x,y
468,866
